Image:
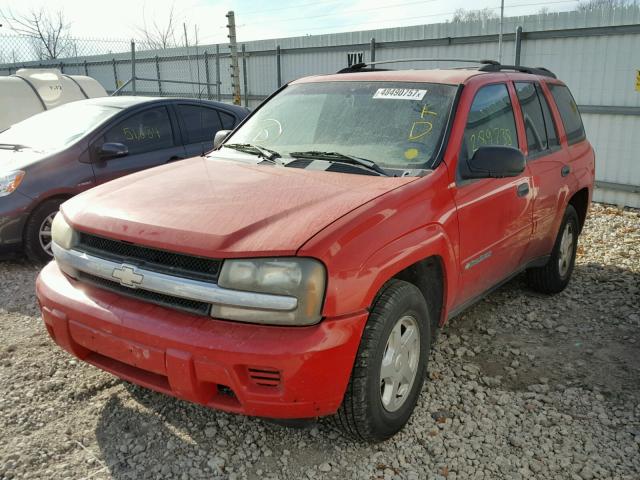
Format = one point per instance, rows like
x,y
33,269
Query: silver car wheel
x,y
399,363
566,249
44,234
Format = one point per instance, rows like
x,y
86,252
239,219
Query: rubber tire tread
x,y
547,279
353,415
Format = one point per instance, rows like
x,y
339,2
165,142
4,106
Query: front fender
x,y
427,241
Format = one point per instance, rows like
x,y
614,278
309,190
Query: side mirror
x,y
112,150
495,162
221,136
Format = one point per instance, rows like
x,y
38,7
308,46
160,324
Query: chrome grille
x,y
162,261
192,306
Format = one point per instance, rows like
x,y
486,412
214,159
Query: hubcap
x,y
566,250
45,234
399,363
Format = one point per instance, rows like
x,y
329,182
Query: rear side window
x,y
228,121
491,120
550,124
143,132
568,112
533,117
200,123
538,121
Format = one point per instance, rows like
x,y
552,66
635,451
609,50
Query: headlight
x,y
9,182
302,278
61,233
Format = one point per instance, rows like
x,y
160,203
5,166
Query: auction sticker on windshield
x,y
400,93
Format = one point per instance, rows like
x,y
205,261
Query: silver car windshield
x,y
57,128
397,125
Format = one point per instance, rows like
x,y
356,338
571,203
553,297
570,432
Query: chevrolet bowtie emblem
x,y
127,276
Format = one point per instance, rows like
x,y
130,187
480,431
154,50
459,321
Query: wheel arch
x,y
580,201
62,197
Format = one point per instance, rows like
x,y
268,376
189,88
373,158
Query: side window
x,y
200,123
143,132
491,120
533,117
549,123
228,121
568,112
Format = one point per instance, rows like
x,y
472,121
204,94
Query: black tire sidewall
x,y
409,302
32,247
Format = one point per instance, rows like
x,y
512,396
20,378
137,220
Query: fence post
x,y
86,69
158,74
61,67
244,75
278,66
372,52
206,74
133,67
218,72
115,74
518,46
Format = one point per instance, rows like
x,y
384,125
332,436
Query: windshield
x,y
396,125
57,128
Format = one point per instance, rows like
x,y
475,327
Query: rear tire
x,y
395,344
37,232
555,275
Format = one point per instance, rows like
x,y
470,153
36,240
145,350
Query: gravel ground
x,y
521,386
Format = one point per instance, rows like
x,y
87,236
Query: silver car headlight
x,y
10,181
302,278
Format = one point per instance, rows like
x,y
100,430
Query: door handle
x,y
523,189
565,170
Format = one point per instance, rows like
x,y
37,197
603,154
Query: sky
x,y
123,19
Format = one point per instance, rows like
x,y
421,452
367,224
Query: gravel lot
x,y
521,386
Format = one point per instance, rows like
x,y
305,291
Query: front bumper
x,y
14,212
265,371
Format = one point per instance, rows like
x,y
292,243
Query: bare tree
x,y
159,36
603,4
49,32
484,14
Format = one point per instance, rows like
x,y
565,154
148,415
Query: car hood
x,y
220,208
19,159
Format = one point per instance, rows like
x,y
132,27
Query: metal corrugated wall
x,y
597,53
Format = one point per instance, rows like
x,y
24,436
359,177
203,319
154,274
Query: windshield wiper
x,y
12,146
341,158
262,152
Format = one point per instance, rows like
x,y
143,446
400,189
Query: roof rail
x,y
485,66
498,67
361,66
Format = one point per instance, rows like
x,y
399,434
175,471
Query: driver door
x,y
495,214
150,137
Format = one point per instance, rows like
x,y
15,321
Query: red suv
x,y
303,267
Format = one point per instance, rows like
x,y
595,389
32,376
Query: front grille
x,y
193,306
177,264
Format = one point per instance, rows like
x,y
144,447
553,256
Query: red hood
x,y
220,208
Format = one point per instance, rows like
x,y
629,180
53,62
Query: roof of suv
x,y
451,76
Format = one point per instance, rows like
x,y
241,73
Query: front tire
x,y
37,233
555,275
390,366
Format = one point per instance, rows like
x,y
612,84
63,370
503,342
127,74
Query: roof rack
x,y
358,67
498,67
485,65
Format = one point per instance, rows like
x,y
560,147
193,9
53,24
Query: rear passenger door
x,y
494,214
199,125
150,137
548,163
